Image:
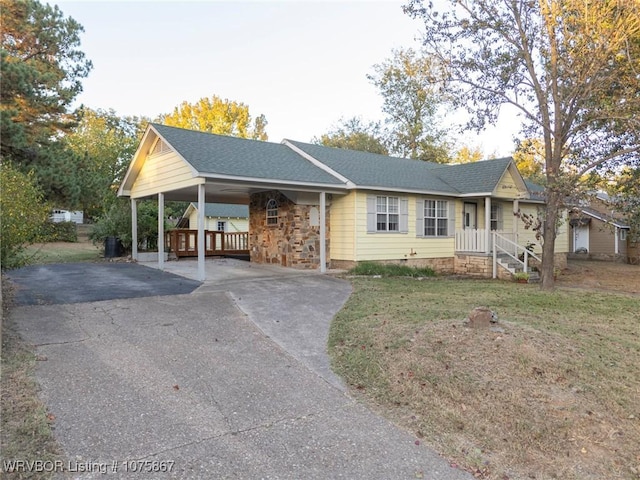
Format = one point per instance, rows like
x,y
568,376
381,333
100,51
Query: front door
x,y
581,238
469,216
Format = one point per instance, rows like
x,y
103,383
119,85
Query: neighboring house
x,y
222,217
597,231
312,206
58,215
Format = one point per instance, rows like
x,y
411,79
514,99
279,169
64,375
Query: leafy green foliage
x,y
215,115
353,134
390,270
58,232
103,144
22,212
41,68
571,70
410,84
625,198
116,222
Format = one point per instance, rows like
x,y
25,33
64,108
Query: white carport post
x,y
161,231
201,239
323,232
487,224
134,229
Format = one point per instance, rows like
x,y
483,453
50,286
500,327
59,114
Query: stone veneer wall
x,y
292,242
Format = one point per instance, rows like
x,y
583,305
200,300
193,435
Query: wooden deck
x,y
184,243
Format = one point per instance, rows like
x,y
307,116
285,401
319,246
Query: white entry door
x,y
581,237
469,215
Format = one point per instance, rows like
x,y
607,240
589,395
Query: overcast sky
x,y
301,64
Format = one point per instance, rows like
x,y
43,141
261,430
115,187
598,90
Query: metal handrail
x,y
524,262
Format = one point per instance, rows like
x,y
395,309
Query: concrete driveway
x,y
206,385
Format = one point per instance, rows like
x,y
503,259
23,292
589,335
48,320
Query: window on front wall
x,y
435,218
221,226
272,212
387,214
496,217
623,235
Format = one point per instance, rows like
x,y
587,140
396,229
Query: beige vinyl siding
x,y
341,227
528,235
163,173
507,187
394,245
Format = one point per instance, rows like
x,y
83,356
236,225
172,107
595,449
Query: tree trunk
x,y
549,245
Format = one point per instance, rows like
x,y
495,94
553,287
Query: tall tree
x,y
625,195
411,87
215,115
42,68
466,154
353,134
104,144
570,67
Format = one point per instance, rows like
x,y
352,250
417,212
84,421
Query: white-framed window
x,y
435,218
496,217
222,226
623,235
387,214
272,212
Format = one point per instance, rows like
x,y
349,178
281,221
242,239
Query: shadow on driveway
x,y
92,282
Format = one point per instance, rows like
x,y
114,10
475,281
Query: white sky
x,y
301,64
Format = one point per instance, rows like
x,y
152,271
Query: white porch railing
x,y
506,246
475,240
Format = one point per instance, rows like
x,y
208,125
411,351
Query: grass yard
x,y
64,252
552,393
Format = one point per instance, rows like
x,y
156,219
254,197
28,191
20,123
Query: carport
x,y
173,164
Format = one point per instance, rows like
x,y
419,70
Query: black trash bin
x,y
112,247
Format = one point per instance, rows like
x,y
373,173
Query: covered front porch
x,y
492,240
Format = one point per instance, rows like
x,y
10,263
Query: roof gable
x,y
212,155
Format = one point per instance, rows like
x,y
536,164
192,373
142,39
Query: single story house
x,y
312,206
597,231
221,217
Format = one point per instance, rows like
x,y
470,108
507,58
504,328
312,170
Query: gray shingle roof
x,y
374,170
217,154
224,210
476,177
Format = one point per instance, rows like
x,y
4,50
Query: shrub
x,y
22,213
58,232
390,270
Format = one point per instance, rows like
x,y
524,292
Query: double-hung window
x,y
387,214
272,212
496,217
435,218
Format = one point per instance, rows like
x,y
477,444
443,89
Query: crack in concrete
x,y
233,433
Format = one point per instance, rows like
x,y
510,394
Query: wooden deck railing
x,y
184,243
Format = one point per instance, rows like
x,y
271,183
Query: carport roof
x,y
212,154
